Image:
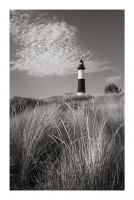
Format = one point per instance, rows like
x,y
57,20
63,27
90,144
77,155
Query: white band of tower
x,y
81,78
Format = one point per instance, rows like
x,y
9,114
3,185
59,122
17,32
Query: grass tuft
x,y
69,144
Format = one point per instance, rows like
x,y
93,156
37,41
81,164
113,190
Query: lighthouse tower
x,y
81,78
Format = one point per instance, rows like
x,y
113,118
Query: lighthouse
x,y
81,78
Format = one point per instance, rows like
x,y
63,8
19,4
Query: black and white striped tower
x,y
81,78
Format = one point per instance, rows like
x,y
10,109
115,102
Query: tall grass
x,y
69,145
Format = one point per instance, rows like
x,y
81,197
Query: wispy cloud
x,y
48,46
112,79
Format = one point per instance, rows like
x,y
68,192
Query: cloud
x,y
47,46
112,79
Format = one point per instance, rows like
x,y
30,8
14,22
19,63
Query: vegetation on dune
x,y
72,143
19,104
112,88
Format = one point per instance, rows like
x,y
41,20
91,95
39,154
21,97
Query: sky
x,y
47,45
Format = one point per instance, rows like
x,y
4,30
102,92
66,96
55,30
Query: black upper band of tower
x,y
81,65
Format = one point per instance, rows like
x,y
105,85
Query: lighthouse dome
x,y
81,65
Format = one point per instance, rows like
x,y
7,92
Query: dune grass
x,y
69,144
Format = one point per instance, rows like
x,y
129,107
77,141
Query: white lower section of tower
x,y
81,74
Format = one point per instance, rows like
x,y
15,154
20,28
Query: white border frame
x,y
4,100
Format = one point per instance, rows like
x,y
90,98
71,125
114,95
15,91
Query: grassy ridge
x,y
73,143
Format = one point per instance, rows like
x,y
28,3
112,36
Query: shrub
x,y
112,88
